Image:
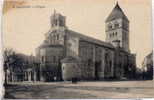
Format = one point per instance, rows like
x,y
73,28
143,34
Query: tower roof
x,y
116,13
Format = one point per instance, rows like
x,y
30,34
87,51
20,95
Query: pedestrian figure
x,y
55,78
74,80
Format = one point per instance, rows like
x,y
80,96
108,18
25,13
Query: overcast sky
x,y
25,25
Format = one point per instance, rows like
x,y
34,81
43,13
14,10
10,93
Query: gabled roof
x,y
90,39
116,13
70,59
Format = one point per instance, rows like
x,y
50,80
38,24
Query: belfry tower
x,y
58,21
117,28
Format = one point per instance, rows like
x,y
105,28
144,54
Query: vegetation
x,y
16,62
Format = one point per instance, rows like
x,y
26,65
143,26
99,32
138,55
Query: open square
x,y
91,90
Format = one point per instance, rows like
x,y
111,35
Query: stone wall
x,y
87,56
70,70
95,64
72,45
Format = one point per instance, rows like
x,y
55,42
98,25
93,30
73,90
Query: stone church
x,y
94,59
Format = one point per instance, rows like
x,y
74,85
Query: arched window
x,y
110,26
43,59
63,67
89,62
57,36
54,59
56,22
52,24
110,64
110,35
116,33
116,25
61,23
54,39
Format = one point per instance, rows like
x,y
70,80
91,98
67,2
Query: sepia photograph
x,y
77,49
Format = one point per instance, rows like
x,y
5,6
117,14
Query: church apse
x,y
98,59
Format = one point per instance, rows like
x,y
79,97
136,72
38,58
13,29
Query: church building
x,y
95,59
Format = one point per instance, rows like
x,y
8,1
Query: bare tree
x,y
7,55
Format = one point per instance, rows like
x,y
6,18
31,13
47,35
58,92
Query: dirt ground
x,y
81,90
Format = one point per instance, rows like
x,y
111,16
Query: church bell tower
x,y
58,21
117,28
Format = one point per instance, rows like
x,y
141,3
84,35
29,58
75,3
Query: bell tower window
x,y
57,36
57,20
116,25
110,26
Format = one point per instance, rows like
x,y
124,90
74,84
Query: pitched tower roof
x,y
116,13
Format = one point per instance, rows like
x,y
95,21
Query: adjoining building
x,y
147,67
19,67
98,59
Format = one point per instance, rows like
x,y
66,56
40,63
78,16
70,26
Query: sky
x,y
25,22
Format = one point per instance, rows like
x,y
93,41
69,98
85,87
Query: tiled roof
x,y
49,45
116,13
90,39
70,59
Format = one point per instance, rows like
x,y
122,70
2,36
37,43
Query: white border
x,y
1,60
1,57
